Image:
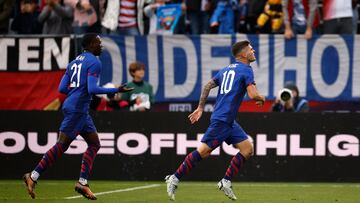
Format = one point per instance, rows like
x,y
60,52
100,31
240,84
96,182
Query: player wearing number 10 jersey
x,y
234,81
78,83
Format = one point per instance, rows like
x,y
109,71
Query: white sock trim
x,y
34,175
82,181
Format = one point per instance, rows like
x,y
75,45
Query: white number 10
x,y
77,71
227,82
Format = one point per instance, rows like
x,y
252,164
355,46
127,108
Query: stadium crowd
x,y
134,17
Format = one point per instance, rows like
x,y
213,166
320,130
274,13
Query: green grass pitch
x,y
143,192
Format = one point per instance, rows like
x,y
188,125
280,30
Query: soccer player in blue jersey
x,y
234,81
79,83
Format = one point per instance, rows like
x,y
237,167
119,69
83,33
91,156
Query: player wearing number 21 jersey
x,y
78,83
234,81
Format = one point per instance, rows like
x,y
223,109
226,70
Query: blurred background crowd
x,y
136,17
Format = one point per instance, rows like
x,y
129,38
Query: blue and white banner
x,y
325,68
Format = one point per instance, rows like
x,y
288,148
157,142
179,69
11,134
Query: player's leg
x,y
213,136
47,160
92,139
202,152
93,142
245,151
216,133
240,140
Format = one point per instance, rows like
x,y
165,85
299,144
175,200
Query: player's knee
x,y
204,154
96,146
64,145
247,152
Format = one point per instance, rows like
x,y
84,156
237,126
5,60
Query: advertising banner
x,y
148,146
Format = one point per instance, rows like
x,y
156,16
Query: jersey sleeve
x,y
94,69
216,78
94,89
92,78
249,77
64,83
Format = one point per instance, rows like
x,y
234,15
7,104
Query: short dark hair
x,y
29,1
238,47
291,86
88,39
135,66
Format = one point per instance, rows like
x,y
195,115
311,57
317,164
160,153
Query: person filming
x,y
288,100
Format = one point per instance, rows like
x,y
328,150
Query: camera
x,y
285,94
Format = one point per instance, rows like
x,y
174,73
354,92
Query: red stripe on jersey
x,y
126,19
92,74
128,15
127,7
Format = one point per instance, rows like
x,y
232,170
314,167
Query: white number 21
x,y
76,71
227,82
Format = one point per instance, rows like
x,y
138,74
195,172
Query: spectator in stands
x,y
289,100
141,98
338,17
56,18
223,16
128,16
182,25
110,21
241,23
150,12
255,8
86,15
6,7
272,15
302,19
198,13
129,12
25,22
355,15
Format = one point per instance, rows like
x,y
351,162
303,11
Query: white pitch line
x,y
116,191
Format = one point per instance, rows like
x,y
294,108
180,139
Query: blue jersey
x,y
232,81
79,83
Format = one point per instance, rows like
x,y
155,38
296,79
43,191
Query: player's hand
x,y
196,115
214,24
124,88
261,102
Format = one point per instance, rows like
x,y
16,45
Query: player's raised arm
x,y
254,94
93,88
195,116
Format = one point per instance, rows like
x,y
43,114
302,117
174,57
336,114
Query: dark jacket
x,y
57,21
6,7
26,23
